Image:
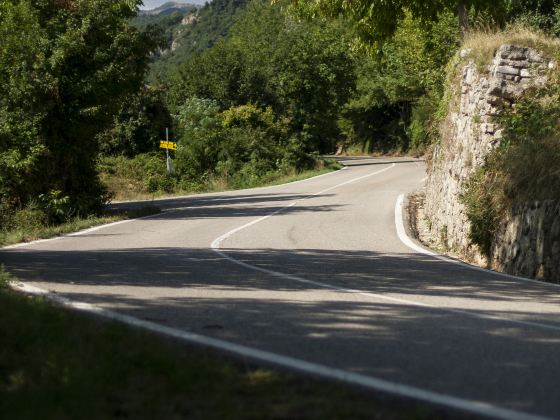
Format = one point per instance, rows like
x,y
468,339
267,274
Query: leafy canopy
x,y
377,20
65,67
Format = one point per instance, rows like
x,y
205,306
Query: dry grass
x,y
125,188
483,43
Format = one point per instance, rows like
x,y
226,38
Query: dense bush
x,y
145,173
397,93
64,69
303,71
540,15
239,145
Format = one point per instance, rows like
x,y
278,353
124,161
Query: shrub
x,y
236,147
484,204
29,219
143,174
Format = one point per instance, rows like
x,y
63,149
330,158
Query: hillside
x,y
189,31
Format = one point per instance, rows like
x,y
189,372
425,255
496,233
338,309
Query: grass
x,y
60,364
32,230
484,43
27,233
125,183
285,179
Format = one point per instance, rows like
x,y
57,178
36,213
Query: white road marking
x,y
79,233
95,228
475,407
180,197
370,382
216,245
405,239
446,400
217,242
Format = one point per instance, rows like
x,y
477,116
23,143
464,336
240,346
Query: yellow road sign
x,y
168,145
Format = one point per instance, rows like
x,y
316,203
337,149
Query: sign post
x,y
168,145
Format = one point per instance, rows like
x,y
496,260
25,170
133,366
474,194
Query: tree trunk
x,y
463,18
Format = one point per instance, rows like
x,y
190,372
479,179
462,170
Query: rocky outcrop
x,y
190,19
469,133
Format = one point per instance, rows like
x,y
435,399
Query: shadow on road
x,y
197,290
226,205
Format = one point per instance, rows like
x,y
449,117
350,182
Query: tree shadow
x,y
197,290
226,205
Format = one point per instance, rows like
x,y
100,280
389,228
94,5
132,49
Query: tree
x,y
304,72
377,20
65,66
138,126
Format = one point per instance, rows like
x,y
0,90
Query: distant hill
x,y
190,31
168,9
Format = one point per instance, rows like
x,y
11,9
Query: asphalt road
x,y
315,271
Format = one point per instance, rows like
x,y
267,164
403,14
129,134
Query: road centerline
x,y
216,247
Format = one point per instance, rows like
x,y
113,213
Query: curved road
x,y
315,272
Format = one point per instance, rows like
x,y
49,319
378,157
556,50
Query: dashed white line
x,y
217,242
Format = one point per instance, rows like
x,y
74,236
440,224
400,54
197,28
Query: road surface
x,y
316,272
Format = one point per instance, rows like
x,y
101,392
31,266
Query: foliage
x,y
143,174
210,23
64,68
304,72
397,94
139,124
376,21
484,204
239,145
541,15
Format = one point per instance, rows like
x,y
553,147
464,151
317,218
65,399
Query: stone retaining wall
x,y
528,243
468,135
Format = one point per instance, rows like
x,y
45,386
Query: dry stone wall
x,y
469,133
528,243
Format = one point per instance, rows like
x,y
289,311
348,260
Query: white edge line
x,y
216,245
268,357
80,232
442,399
289,362
103,226
211,194
405,239
372,382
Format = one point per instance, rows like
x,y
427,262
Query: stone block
x,y
513,52
535,56
488,128
495,88
508,70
